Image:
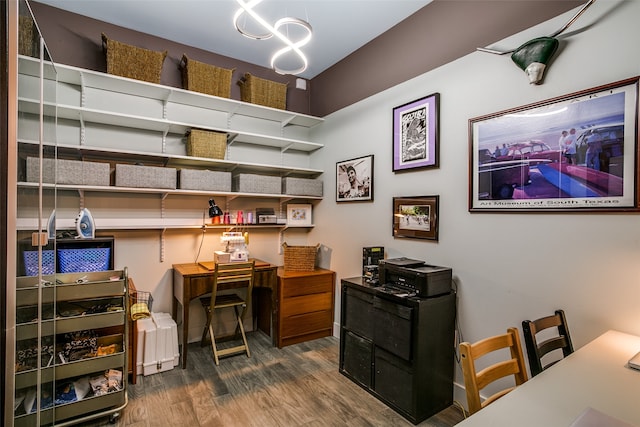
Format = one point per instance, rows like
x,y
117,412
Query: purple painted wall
x,y
439,33
76,40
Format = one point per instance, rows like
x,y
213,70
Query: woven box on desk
x,y
205,78
84,259
252,183
300,258
301,186
206,180
263,92
63,171
205,143
145,176
133,62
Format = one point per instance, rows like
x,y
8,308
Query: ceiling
x,y
339,26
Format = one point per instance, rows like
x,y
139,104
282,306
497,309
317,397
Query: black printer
x,y
413,277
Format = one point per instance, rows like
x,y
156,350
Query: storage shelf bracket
x,y
286,148
164,140
83,103
162,199
165,103
83,92
284,200
231,138
231,114
82,131
280,240
81,195
162,244
285,123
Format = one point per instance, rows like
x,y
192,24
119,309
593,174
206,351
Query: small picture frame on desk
x,y
299,215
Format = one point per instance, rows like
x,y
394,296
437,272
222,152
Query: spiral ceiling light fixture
x,y
292,47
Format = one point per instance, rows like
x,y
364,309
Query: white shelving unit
x,y
110,118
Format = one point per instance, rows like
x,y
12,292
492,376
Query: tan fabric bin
x,y
145,176
71,172
205,180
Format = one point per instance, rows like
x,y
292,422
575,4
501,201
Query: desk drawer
x,y
200,285
294,286
307,323
306,304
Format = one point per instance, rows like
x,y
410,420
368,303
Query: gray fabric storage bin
x,y
251,183
301,186
145,176
193,179
75,172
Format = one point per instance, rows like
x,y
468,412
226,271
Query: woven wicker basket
x,y
133,62
300,258
263,92
26,42
204,143
204,78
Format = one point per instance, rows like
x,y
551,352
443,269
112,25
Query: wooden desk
x,y
594,376
192,280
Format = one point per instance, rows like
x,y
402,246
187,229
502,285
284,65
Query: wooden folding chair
x,y
234,275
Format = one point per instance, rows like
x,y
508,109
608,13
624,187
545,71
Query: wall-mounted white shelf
x,y
88,79
107,118
112,118
161,191
87,152
111,224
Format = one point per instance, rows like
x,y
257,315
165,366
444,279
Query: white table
x,y
594,376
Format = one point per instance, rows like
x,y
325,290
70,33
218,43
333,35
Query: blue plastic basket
x,y
31,262
84,260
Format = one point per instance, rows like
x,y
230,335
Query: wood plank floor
x,y
298,385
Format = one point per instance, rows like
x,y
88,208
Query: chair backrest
x,y
475,381
537,349
240,273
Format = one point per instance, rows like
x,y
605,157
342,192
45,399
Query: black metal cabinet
x,y
399,349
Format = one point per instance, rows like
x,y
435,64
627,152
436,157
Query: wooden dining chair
x,y
476,380
557,338
234,275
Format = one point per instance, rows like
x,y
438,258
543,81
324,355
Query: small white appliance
x,y
85,226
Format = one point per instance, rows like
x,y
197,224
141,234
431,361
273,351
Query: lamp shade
x,y
214,210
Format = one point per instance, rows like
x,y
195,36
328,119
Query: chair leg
x,y
213,345
241,326
206,328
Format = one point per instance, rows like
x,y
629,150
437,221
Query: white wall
x,y
150,254
507,267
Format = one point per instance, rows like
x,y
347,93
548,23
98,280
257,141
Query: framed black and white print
x,y
354,179
415,134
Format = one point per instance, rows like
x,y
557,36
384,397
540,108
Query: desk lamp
x,y
214,212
